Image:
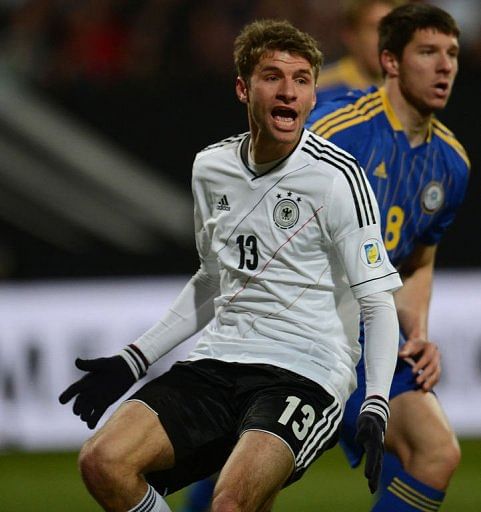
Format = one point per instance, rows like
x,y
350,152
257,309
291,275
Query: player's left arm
x,y
381,329
412,304
373,278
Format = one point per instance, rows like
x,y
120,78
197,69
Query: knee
x,y
447,454
225,502
441,461
435,459
97,463
442,451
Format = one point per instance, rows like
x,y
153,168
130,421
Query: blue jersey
x,y
418,189
337,79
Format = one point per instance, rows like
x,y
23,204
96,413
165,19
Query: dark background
x,y
156,78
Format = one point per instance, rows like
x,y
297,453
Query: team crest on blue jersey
x,y
432,197
371,253
286,213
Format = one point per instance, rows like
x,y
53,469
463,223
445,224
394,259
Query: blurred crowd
x,y
62,42
156,76
161,66
105,42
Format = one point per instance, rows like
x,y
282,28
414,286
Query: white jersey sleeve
x,y
194,307
354,226
380,353
204,226
191,311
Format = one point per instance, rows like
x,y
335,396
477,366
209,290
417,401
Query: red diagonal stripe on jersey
x,y
268,262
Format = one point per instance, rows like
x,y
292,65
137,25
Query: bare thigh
x,y
419,433
135,436
255,472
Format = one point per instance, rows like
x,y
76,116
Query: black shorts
x,y
206,405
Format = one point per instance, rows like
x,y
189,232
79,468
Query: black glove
x,y
108,379
370,429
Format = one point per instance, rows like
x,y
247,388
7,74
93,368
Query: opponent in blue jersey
x,y
359,68
419,172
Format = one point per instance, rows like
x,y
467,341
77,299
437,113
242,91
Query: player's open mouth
x,y
284,116
441,87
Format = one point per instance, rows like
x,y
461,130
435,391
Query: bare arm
x,y
412,304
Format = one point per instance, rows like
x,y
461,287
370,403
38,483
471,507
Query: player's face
x,y
279,97
428,68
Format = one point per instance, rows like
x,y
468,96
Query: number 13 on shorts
x,y
309,416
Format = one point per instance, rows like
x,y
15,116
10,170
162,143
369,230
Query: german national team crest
x,y
286,213
432,197
371,253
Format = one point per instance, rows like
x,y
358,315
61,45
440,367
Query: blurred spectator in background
x,y
94,43
130,68
359,67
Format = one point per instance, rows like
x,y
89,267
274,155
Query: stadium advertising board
x,y
45,326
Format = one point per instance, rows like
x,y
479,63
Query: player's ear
x,y
241,90
390,63
314,100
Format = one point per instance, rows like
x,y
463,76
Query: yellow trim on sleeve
x,y
355,112
352,122
449,138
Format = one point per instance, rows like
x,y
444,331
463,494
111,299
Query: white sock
x,y
151,502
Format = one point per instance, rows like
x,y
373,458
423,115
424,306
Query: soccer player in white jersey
x,y
287,231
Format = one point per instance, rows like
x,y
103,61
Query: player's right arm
x,y
108,378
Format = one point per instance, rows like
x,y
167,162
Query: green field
x,y
33,482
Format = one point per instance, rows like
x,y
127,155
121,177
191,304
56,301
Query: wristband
x,y
136,360
377,405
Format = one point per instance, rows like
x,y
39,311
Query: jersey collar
x,y
243,152
392,117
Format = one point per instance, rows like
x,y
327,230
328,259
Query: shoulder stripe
x,y
451,140
224,142
438,124
353,122
354,175
361,106
327,127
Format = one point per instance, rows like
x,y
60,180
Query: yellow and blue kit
x,y
418,190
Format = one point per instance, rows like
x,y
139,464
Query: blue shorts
x,y
403,380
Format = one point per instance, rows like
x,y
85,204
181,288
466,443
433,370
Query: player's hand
x,y
108,378
425,358
370,429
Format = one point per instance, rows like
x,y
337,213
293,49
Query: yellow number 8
x,y
394,222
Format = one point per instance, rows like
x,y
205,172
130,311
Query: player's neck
x,y
260,167
265,152
415,122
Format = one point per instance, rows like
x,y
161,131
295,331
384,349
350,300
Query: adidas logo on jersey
x,y
223,204
380,171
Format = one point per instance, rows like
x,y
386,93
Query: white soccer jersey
x,y
294,249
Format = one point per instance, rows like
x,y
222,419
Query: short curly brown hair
x,y
262,36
